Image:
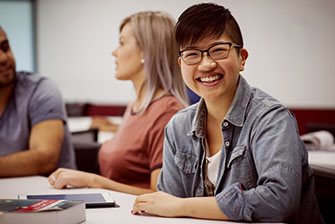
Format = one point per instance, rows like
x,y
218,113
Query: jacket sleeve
x,y
170,180
278,155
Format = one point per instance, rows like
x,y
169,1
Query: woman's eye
x,y
219,50
191,54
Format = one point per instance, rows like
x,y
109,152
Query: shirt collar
x,y
236,112
198,123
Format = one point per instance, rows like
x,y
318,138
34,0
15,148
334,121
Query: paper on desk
x,y
319,140
104,136
79,123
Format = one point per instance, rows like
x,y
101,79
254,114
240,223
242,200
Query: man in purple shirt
x,y
34,136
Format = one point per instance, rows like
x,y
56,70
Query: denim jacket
x,y
263,174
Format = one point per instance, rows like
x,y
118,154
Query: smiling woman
x,y
236,155
214,72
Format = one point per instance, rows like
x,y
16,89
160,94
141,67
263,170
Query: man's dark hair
x,y
206,20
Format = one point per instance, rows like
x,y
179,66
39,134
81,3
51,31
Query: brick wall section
x,y
315,117
305,116
104,110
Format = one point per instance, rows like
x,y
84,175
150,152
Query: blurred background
x,y
291,45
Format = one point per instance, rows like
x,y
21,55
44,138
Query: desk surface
x,y
322,163
11,187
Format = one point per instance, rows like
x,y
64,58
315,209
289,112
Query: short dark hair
x,y
206,19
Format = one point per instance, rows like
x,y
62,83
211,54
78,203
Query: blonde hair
x,y
154,33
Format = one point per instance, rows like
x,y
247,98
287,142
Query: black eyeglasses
x,y
216,52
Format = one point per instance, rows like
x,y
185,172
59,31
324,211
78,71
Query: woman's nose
x,y
206,63
114,52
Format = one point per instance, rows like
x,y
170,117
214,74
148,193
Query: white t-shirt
x,y
213,167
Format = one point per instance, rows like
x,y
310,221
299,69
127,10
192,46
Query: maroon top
x,y
136,149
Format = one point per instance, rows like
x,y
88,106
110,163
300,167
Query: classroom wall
x,y
291,47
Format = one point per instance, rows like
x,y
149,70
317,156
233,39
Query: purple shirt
x,y
33,100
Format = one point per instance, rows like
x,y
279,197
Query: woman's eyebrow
x,y
193,47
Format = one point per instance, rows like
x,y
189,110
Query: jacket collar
x,y
235,115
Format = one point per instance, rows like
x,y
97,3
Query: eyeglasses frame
x,y
207,51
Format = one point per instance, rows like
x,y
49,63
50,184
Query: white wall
x,y
291,46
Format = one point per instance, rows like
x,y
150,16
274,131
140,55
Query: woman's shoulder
x,y
186,114
168,103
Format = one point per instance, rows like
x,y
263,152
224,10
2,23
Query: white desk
x,y
11,187
322,163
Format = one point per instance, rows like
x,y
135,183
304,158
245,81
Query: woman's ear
x,y
243,58
142,56
179,61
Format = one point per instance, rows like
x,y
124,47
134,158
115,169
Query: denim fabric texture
x,y
264,174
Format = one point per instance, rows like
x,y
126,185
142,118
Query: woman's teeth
x,y
210,78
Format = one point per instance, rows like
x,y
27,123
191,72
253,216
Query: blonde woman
x,y
130,162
